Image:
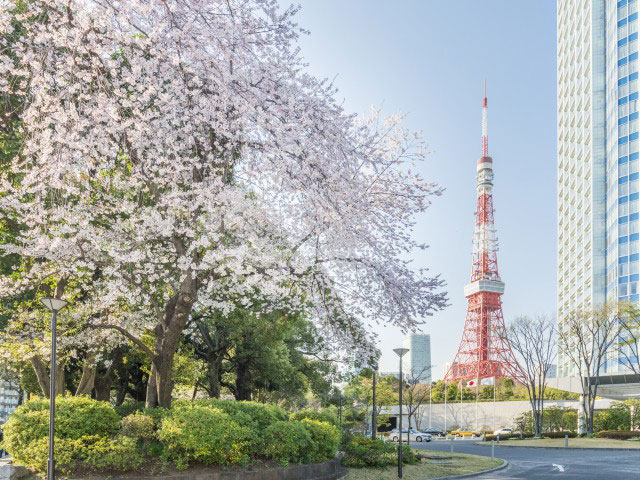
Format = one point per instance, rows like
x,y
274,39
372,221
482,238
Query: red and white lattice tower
x,y
483,351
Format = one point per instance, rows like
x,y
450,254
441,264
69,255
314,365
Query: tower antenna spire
x,y
485,135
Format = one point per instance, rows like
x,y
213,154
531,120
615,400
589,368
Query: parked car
x,y
434,432
503,431
414,435
465,433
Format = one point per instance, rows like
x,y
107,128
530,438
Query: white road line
x,y
559,467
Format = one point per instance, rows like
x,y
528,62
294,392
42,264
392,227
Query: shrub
x,y
34,454
324,415
287,442
138,426
127,408
559,434
118,453
363,452
616,417
254,415
324,437
203,434
617,434
76,417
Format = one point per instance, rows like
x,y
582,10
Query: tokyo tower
x,y
484,351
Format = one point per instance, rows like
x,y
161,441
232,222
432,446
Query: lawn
x,y
432,467
573,443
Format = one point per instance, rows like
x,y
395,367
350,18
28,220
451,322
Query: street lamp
x,y
374,411
400,352
54,305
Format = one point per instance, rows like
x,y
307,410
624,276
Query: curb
x,y
605,449
505,464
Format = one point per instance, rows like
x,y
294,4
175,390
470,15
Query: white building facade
x,y
417,362
598,152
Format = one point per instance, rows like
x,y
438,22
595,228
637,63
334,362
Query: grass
x,y
458,464
573,443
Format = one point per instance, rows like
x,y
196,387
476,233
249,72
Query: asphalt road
x,y
544,463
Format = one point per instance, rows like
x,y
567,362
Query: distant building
x,y
9,398
417,362
390,374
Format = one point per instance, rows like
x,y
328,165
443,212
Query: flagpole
x,y
477,387
460,410
494,399
430,398
445,407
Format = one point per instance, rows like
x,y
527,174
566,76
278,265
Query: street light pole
x,y
374,411
400,352
54,305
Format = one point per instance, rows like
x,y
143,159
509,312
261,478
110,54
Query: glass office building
x,y
417,362
597,158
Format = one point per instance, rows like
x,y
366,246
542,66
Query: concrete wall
x,y
490,415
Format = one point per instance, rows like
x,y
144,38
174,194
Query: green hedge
x,y
86,432
559,434
138,426
325,439
287,442
91,435
325,415
204,434
363,452
617,434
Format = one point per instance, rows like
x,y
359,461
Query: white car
x,y
414,435
503,431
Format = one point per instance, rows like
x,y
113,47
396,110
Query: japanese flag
x,y
487,381
472,383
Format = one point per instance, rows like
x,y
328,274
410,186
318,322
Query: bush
x,y
324,415
559,434
617,434
488,438
127,408
27,429
253,415
204,434
118,454
138,426
363,452
287,442
616,417
325,439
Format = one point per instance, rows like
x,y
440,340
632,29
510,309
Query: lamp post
x,y
374,411
400,352
54,305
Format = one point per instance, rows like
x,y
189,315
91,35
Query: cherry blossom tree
x,y
176,155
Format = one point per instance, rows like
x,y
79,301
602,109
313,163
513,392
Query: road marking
x,y
559,467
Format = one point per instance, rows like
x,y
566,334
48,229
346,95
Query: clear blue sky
x,y
429,58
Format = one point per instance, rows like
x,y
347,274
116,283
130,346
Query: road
x,y
546,463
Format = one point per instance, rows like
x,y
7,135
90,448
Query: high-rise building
x,y
597,158
417,362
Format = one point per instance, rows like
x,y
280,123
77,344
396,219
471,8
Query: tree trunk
x,y
60,388
103,388
244,382
152,392
168,334
88,376
213,374
42,374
